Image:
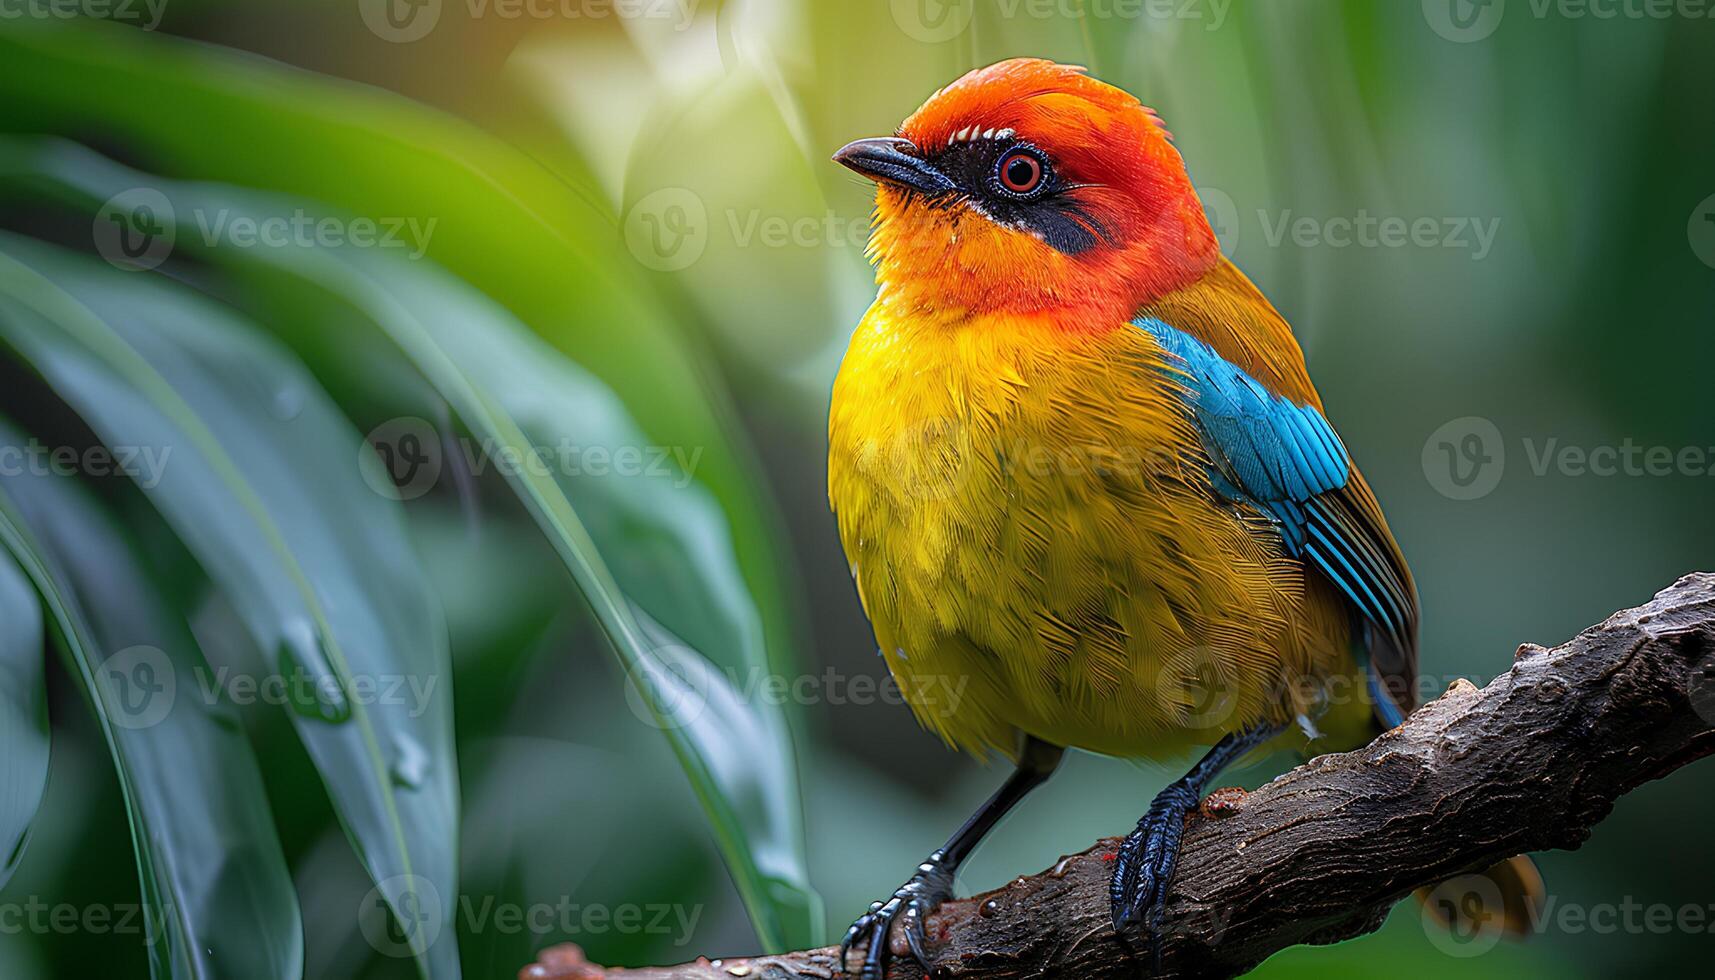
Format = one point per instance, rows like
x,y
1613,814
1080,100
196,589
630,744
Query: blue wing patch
x,y
1284,460
1267,451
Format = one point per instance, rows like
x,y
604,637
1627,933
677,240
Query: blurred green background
x,y
611,230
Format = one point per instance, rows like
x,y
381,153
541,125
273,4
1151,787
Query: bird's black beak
x,y
894,161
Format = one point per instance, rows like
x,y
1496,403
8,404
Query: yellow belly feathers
x,y
1029,523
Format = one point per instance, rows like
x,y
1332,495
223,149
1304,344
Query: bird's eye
x,y
1020,172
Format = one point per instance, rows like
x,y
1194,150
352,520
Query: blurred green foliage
x,y
630,235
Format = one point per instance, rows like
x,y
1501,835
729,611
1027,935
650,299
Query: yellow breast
x,y
1030,527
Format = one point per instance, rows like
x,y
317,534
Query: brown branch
x,y
1531,762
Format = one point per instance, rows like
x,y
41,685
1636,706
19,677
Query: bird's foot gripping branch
x,y
1531,762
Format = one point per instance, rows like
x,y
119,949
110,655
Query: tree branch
x,y
1531,762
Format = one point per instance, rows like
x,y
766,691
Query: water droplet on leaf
x,y
410,762
287,402
312,688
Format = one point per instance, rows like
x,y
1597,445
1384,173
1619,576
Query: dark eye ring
x,y
1021,172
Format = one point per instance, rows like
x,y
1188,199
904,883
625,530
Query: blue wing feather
x,y
1284,460
1267,451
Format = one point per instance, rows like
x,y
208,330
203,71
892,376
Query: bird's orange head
x,y
1029,187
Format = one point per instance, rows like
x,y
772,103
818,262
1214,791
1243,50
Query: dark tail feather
x,y
1506,898
1391,670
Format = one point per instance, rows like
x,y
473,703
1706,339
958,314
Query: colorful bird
x,y
1079,468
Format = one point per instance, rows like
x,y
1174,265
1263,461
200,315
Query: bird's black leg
x,y
1144,866
933,882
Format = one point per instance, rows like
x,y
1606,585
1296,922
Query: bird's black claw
x,y
1144,868
919,896
857,929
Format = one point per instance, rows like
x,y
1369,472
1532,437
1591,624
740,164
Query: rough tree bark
x,y
1531,762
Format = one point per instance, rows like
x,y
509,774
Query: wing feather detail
x,y
1282,458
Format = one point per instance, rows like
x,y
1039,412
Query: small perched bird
x,y
1082,476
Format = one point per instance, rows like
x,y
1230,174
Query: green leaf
x,y
516,394
215,888
23,715
676,551
255,470
550,252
